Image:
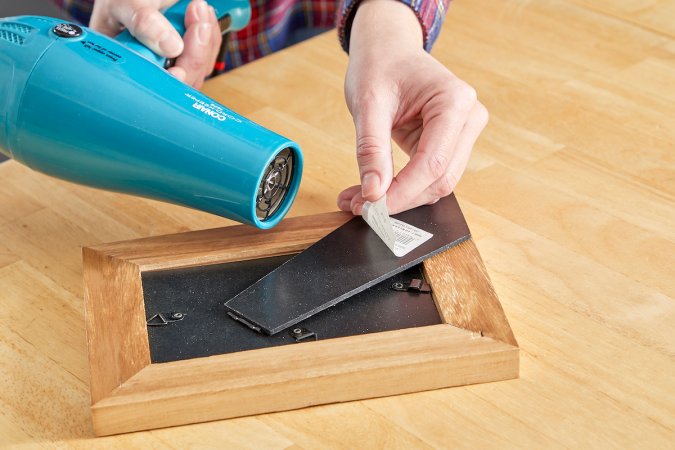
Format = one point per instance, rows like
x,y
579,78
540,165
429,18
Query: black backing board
x,y
342,264
206,330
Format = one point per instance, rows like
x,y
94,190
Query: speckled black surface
x,y
344,263
206,329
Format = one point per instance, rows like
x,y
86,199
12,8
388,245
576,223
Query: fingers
x,y
351,199
344,200
202,43
102,21
373,122
196,51
145,23
444,185
444,118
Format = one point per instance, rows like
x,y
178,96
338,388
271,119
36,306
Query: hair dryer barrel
x,y
94,112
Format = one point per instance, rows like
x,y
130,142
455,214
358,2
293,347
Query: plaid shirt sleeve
x,y
431,14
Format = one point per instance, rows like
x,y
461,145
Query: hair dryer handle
x,y
233,15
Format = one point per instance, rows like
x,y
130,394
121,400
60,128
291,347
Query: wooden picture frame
x,y
129,393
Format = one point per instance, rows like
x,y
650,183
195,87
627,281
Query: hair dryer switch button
x,y
67,30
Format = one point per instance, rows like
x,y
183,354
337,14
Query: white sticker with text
x,y
400,237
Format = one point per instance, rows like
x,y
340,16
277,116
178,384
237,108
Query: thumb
x,y
373,122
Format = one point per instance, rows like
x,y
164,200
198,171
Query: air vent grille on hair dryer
x,y
18,27
11,37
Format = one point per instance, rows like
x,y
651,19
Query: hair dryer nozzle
x,y
275,184
278,186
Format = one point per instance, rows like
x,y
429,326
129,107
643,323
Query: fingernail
x,y
203,11
170,44
204,33
370,183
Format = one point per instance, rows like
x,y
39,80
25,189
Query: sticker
x,y
400,237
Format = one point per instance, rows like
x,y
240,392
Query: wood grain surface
x,y
464,295
570,195
117,334
282,378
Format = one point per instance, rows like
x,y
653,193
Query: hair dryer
x,y
103,112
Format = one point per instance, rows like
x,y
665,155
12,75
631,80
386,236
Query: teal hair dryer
x,y
103,112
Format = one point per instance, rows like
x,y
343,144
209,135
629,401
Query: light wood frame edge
x,y
474,345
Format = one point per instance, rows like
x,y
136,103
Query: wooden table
x,y
570,196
